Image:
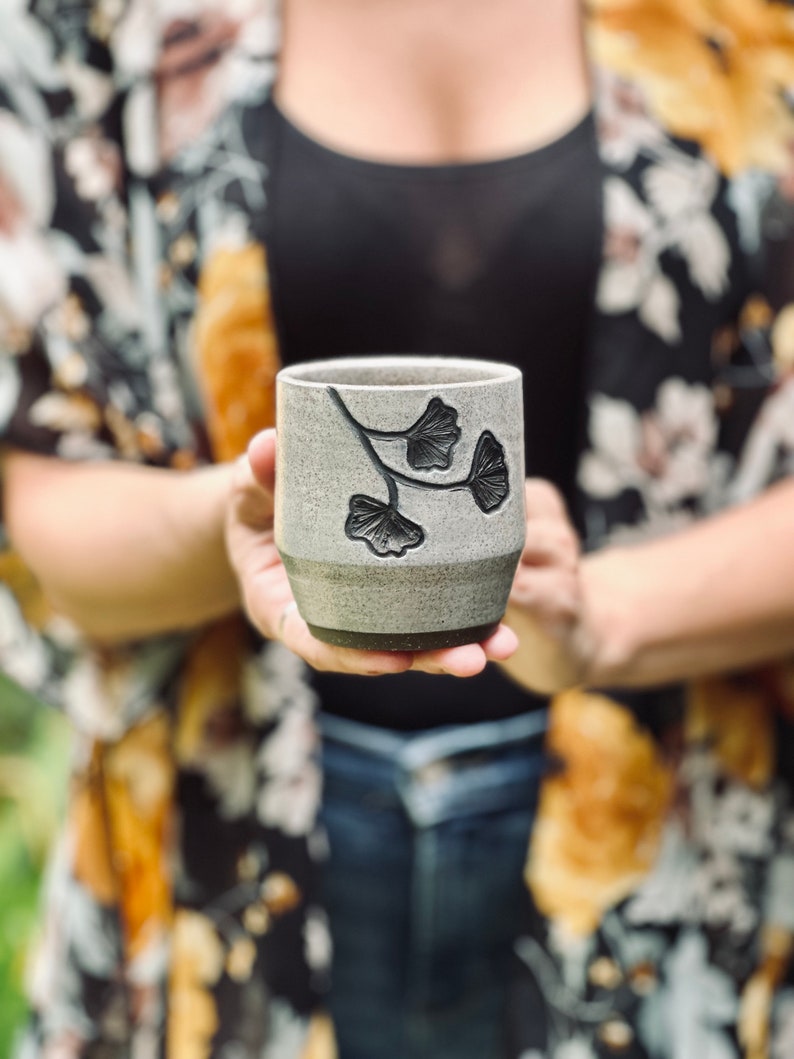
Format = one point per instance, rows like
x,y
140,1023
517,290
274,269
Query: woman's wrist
x,y
206,493
606,637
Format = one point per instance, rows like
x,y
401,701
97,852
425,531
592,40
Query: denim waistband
x,y
439,774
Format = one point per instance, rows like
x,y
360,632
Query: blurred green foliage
x,y
34,753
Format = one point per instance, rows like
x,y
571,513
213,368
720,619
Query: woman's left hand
x,y
546,608
267,597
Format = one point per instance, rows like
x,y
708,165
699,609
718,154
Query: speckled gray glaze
x,y
399,496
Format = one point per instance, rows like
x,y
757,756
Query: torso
x,y
433,81
398,95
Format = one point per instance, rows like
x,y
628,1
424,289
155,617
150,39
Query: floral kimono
x,y
135,324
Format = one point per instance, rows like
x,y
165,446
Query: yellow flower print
x,y
210,688
87,826
197,961
734,718
600,818
280,893
16,575
240,959
783,340
120,818
320,1042
715,71
235,342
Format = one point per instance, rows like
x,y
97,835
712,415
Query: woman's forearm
x,y
716,597
124,551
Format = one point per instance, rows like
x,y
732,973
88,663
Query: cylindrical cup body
x,y
399,496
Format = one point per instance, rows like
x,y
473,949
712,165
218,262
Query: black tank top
x,y
494,260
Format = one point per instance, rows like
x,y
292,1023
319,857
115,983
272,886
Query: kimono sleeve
x,y
77,374
79,378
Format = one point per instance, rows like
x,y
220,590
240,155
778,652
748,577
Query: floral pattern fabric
x,y
181,917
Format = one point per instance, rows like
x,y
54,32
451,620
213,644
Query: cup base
x,y
404,641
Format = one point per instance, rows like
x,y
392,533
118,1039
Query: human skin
x,y
128,552
170,550
445,80
716,597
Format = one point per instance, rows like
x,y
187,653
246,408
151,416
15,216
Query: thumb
x,y
262,458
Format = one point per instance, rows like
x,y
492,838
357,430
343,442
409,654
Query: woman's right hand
x,y
270,605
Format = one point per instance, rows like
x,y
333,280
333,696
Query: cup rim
x,y
494,371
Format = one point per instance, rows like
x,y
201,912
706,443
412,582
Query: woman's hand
x,y
269,602
546,608
715,597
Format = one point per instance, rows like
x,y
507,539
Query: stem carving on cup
x,y
429,444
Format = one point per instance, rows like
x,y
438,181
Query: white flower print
x,y
747,194
740,822
681,195
71,413
94,165
779,906
10,386
625,126
676,219
665,895
200,74
30,278
231,776
783,1033
95,946
291,744
24,656
631,277
317,939
291,802
576,1048
697,1004
720,898
25,48
92,90
665,453
291,778
288,1031
105,701
769,449
274,680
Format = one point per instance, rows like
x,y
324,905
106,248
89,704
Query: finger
x,y
267,592
465,661
327,658
548,593
269,603
543,499
501,645
550,543
262,458
470,659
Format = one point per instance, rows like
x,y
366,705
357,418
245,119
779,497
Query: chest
x,y
667,272
432,82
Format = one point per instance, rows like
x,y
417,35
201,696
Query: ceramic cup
x,y
399,497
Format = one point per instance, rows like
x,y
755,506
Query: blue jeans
x,y
428,835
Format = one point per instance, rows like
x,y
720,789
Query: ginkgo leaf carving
x,y
381,526
433,436
430,441
488,478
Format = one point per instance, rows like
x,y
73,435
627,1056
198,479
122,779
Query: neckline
x,y
583,129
